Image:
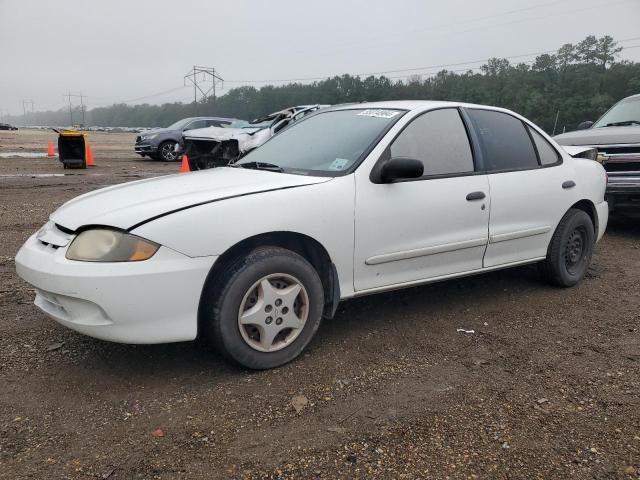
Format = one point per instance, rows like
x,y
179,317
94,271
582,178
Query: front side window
x,y
504,141
327,144
439,140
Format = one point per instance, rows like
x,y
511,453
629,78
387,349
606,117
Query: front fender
x,y
324,212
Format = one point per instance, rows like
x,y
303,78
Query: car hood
x,y
601,136
247,138
154,131
220,133
130,204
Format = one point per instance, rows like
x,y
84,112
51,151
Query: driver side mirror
x,y
585,125
400,168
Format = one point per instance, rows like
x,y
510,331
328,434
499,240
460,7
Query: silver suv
x,y
616,137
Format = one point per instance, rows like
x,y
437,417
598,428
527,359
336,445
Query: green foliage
x,y
578,83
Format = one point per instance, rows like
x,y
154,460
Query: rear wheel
x,y
166,151
570,250
266,310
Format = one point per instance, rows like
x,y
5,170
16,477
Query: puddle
x,y
33,175
44,175
23,155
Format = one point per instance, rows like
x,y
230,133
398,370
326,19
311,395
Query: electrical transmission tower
x,y
24,109
201,77
82,105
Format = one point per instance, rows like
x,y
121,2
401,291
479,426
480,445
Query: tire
x,y
239,307
570,250
166,151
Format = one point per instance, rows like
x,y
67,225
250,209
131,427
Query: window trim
x,y
535,147
527,126
374,174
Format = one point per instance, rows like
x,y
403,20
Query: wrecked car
x,y
613,140
160,143
219,146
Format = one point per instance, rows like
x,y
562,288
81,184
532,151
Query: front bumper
x,y
154,301
623,193
145,148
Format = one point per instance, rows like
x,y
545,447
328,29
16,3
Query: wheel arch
x,y
307,247
589,208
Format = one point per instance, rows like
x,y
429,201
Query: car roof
x,y
411,105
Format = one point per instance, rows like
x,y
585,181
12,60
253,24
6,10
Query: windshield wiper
x,y
623,124
260,166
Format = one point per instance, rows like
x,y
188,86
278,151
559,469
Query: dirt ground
x,y
547,387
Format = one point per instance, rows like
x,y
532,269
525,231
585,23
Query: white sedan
x,y
352,200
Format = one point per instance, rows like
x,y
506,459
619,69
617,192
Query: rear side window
x,y
547,154
439,140
504,141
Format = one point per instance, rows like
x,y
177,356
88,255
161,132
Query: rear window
x,y
504,141
547,154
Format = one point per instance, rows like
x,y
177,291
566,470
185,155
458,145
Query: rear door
x,y
530,187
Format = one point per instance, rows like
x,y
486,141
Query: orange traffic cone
x,y
50,151
185,164
90,162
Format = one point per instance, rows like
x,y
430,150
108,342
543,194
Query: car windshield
x,y
325,144
179,124
623,113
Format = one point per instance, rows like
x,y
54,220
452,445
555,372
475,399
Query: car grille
x,y
620,159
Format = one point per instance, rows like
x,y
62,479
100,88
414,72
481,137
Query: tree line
x,y
556,91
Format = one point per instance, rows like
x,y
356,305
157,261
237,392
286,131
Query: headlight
x,y
149,137
104,245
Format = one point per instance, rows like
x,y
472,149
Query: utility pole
x,y
82,106
24,109
200,84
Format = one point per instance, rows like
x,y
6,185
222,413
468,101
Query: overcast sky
x,y
115,50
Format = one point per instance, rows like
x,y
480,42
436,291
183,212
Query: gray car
x,y
615,138
160,143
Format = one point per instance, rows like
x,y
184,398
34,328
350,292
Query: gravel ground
x,y
547,387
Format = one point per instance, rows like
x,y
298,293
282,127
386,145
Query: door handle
x,y
475,196
568,184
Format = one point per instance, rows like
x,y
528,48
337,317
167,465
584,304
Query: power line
x,y
412,69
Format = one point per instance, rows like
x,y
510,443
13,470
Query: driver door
x,y
424,228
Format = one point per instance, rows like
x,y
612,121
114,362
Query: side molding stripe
x,y
426,251
530,232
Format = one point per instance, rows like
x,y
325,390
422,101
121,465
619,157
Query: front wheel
x,y
265,308
166,151
570,250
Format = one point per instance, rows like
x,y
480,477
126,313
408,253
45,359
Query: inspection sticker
x,y
379,113
338,164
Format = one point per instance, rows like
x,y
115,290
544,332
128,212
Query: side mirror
x,y
585,125
400,169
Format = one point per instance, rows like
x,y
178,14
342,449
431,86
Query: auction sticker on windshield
x,y
338,164
379,113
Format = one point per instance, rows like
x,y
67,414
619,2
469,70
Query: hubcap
x,y
575,251
273,312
